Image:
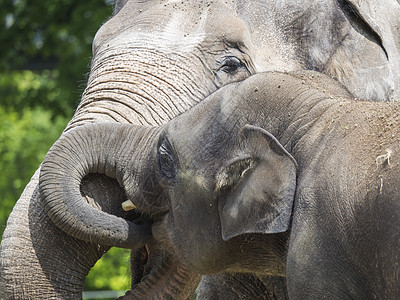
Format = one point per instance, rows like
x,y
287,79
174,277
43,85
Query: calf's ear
x,y
259,198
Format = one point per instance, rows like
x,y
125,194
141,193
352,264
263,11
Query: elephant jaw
x,y
169,280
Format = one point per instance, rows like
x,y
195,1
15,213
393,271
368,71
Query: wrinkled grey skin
x,y
154,60
337,191
281,175
242,286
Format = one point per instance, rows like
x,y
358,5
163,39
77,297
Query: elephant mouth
x,y
147,208
139,217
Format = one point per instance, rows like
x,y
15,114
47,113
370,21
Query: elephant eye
x,y
231,64
166,161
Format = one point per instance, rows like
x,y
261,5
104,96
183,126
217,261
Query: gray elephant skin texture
x,y
280,174
232,171
153,60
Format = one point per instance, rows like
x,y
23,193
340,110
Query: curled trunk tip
x,y
92,148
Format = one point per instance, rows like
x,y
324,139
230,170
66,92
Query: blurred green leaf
x,y
27,89
111,272
48,35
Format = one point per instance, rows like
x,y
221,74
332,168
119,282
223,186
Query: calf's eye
x,y
166,160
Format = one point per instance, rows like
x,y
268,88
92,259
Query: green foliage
x,y
27,89
112,271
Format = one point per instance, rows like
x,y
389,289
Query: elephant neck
x,y
302,115
285,105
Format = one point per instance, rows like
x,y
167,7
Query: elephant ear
x,y
383,17
259,188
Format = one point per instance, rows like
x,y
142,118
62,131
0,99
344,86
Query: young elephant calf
x,y
280,153
280,174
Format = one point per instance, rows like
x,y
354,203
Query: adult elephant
x,y
155,59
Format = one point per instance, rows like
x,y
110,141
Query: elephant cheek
x,y
194,232
168,234
161,234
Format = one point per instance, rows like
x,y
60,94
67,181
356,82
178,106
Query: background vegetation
x,y
44,55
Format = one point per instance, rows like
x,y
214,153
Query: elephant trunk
x,y
116,150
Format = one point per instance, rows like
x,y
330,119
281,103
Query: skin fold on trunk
x,y
67,278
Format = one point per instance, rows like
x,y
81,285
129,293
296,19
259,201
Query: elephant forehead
x,y
169,35
180,25
170,38
185,40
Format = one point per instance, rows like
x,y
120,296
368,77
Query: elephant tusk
x,y
128,205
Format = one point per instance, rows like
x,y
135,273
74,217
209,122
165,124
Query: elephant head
x,y
231,185
153,60
239,182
